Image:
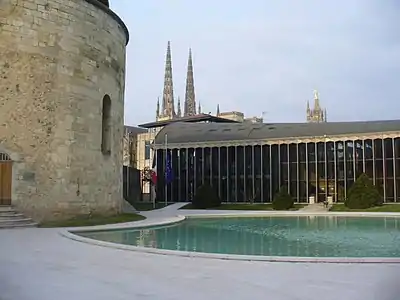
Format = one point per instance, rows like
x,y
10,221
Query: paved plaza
x,y
41,264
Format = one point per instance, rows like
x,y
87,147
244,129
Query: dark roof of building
x,y
187,119
212,132
134,130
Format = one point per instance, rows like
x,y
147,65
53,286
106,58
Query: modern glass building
x,y
250,162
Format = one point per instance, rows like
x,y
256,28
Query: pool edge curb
x,y
72,233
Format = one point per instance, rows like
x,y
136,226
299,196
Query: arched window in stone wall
x,y
106,126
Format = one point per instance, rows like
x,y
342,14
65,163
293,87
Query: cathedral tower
x,y
168,107
190,97
316,114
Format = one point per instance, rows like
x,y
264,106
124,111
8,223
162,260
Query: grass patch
x,y
382,208
244,206
92,221
146,206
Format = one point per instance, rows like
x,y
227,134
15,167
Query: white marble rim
x,y
73,234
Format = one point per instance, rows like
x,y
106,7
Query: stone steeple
x,y
179,114
168,107
158,108
317,114
190,97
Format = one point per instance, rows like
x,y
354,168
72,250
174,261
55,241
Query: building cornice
x,y
287,140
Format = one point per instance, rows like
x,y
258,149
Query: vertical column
x,y
244,174
279,166
288,168
179,175
236,174
335,171
253,174
202,165
270,173
194,171
363,154
316,172
262,172
228,176
384,169
373,162
167,188
297,172
219,172
327,186
307,174
394,170
211,166
187,157
354,160
345,168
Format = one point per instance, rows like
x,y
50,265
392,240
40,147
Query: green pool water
x,y
270,236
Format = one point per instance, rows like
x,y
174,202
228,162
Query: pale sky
x,y
263,55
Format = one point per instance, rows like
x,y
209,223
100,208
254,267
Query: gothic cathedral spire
x,y
317,114
168,107
179,114
190,97
158,108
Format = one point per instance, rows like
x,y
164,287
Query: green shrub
x,y
206,197
363,194
282,200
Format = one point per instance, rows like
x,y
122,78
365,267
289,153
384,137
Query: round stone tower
x,y
62,80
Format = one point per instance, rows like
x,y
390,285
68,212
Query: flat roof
x,y
180,132
134,130
188,119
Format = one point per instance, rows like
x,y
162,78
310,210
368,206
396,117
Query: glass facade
x,y
254,173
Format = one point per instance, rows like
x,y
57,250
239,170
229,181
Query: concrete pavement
x,y
40,264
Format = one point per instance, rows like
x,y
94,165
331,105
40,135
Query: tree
x,y
282,200
363,194
206,197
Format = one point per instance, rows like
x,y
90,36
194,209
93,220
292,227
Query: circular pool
x,y
290,236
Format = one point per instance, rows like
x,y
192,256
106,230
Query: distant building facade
x,y
168,110
250,162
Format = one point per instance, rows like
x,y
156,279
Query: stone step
x,y
15,220
7,208
9,214
10,218
18,225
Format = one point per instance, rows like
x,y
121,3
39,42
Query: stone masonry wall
x,y
58,58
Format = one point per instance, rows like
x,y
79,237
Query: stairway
x,y
313,208
9,218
